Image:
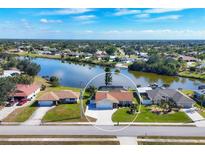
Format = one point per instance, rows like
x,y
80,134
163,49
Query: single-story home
x,y
198,95
188,58
112,99
53,98
142,91
10,73
178,97
26,91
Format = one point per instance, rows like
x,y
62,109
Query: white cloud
x,y
168,17
85,17
46,21
149,11
66,11
142,15
121,12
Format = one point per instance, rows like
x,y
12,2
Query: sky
x,y
86,23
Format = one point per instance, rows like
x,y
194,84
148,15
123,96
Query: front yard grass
x,y
20,114
146,115
65,113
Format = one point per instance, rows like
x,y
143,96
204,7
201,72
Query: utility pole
x,y
81,102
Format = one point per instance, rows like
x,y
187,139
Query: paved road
x,y
90,130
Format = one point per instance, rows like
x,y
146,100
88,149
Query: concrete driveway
x,y
6,111
104,117
195,116
37,116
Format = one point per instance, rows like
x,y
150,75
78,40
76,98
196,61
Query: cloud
x,y
142,15
150,11
85,17
46,21
168,17
66,11
26,24
121,12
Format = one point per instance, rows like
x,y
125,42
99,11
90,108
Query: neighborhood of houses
x,y
106,98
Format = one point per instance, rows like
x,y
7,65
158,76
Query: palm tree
x,y
108,76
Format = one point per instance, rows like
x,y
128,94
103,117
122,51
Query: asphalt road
x,y
90,130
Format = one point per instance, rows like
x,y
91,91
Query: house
x,y
112,99
198,95
176,96
188,58
26,91
10,73
53,98
142,91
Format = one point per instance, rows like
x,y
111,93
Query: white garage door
x,y
104,105
45,103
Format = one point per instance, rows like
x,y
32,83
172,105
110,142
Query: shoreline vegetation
x,y
72,59
185,74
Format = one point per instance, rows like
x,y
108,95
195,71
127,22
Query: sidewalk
x,y
195,116
126,140
172,140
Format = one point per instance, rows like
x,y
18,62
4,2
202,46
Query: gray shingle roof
x,y
177,96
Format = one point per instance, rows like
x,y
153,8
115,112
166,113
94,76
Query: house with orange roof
x,y
26,91
112,99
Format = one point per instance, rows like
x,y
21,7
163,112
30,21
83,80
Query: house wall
x,y
33,95
69,100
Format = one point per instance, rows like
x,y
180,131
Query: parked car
x,y
22,102
201,87
11,103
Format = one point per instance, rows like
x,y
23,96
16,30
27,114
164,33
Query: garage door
x,y
45,103
104,106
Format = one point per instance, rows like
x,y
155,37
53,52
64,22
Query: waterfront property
x,y
175,96
199,95
24,91
53,98
10,73
112,99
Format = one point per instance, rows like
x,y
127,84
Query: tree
x,y
108,76
29,67
110,50
54,81
6,88
23,79
91,90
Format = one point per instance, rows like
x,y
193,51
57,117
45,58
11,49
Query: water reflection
x,y
73,74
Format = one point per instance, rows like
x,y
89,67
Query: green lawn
x,y
192,75
145,115
65,113
20,114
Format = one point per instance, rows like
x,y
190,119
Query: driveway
x,y
104,117
6,111
37,116
195,116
